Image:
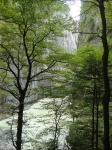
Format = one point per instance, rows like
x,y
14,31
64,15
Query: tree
x,y
28,49
106,98
54,124
100,5
87,87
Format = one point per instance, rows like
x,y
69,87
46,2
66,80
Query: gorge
x,y
33,122
55,85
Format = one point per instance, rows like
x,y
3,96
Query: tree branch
x,y
91,2
87,33
11,92
50,66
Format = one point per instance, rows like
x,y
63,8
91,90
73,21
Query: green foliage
x,y
29,32
86,67
29,50
89,23
78,131
88,64
54,122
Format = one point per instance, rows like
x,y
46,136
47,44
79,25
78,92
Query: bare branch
x,y
81,13
8,21
8,62
5,69
45,35
86,10
28,58
11,92
41,79
87,33
50,66
91,2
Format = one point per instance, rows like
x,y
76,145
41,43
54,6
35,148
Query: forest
x,y
55,75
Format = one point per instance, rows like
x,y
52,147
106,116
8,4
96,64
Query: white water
x,y
36,120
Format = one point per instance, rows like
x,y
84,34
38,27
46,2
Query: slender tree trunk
x,y
55,137
20,124
97,123
93,110
55,145
106,97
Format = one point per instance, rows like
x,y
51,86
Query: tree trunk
x,y
93,122
20,124
97,122
55,137
106,97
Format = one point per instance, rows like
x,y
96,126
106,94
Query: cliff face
x,y
89,26
90,22
68,42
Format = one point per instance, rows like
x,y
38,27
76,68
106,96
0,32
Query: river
x,y
39,125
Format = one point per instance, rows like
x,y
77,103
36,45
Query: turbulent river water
x,y
39,124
